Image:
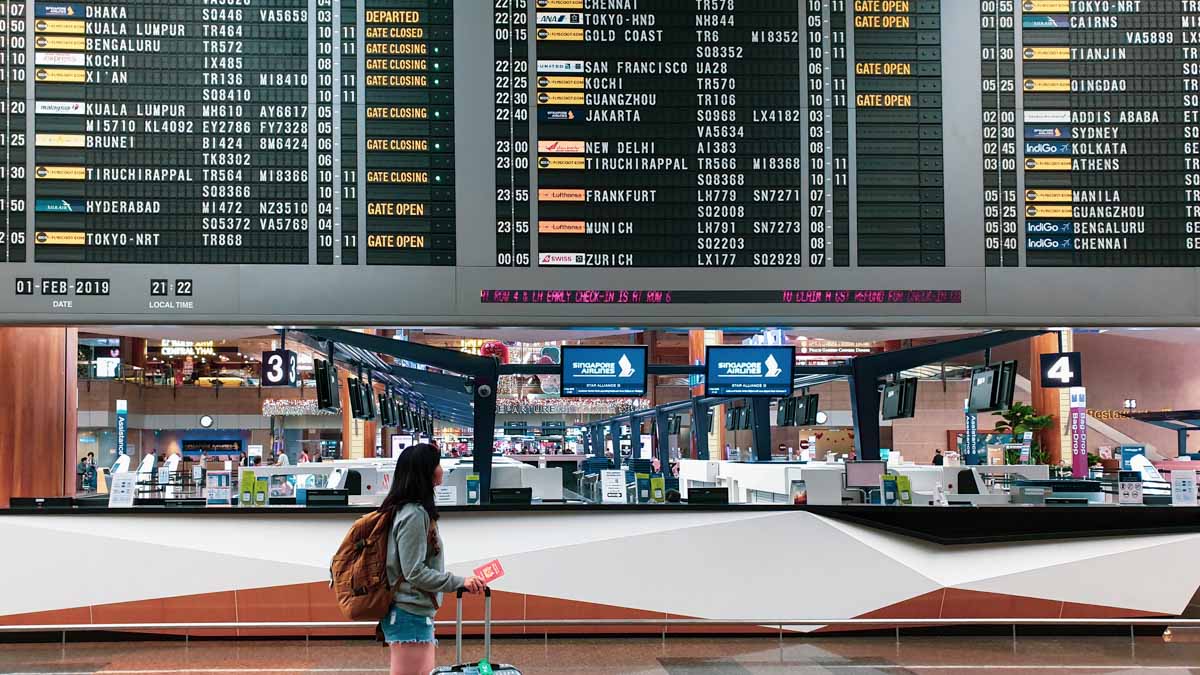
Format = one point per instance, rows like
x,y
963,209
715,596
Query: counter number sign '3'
x,y
1062,370
280,368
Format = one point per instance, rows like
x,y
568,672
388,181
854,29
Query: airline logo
x,y
72,75
560,147
1035,133
1049,244
59,59
1048,211
560,195
68,26
1045,21
59,108
1047,116
1048,196
560,82
560,114
60,42
1048,227
1046,6
560,97
559,19
60,238
573,163
44,11
561,227
60,140
1046,53
60,206
556,66
1044,149
560,259
773,369
560,34
61,173
559,4
1048,164
1047,84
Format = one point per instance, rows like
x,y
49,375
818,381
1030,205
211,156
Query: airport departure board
x,y
555,161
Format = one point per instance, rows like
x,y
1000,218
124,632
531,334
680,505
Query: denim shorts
x,y
400,627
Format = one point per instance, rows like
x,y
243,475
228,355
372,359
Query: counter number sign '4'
x,y
1062,370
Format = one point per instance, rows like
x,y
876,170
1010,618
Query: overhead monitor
x,y
357,410
865,475
604,371
749,370
983,389
811,404
328,391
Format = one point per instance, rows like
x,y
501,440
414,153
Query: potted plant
x,y
1018,419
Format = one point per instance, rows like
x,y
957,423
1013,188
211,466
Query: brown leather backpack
x,y
359,569
358,572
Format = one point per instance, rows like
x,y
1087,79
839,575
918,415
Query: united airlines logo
x,y
557,66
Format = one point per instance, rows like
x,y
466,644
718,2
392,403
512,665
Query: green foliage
x,y
1018,419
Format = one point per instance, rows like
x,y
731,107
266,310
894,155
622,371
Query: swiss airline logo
x,y
560,147
560,259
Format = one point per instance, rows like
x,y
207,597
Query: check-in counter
x,y
637,562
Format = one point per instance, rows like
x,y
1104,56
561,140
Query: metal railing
x,y
664,623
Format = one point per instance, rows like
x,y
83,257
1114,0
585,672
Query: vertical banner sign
x,y
1079,463
971,438
1027,447
122,426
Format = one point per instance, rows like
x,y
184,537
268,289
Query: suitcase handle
x,y
487,625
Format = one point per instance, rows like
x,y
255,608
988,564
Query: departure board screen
x,y
196,131
546,162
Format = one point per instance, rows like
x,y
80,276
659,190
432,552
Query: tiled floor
x,y
676,656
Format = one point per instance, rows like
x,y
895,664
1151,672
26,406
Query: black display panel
x,y
666,162
196,132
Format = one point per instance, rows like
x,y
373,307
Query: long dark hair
x,y
413,480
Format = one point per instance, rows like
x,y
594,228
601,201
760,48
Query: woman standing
x,y
415,555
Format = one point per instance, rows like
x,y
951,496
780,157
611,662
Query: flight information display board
x,y
559,161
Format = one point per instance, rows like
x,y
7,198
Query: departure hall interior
x,y
642,336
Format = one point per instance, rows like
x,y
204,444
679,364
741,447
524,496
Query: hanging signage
x,y
1078,424
280,368
749,371
604,371
122,427
971,452
1063,370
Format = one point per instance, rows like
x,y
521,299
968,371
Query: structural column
x,y
1049,400
38,412
698,341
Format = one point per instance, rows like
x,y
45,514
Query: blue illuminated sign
x,y
604,371
749,371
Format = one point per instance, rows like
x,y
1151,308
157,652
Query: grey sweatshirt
x,y
410,557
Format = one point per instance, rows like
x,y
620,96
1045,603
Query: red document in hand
x,y
490,572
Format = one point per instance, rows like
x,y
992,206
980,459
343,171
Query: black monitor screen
x,y
890,404
356,406
983,382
